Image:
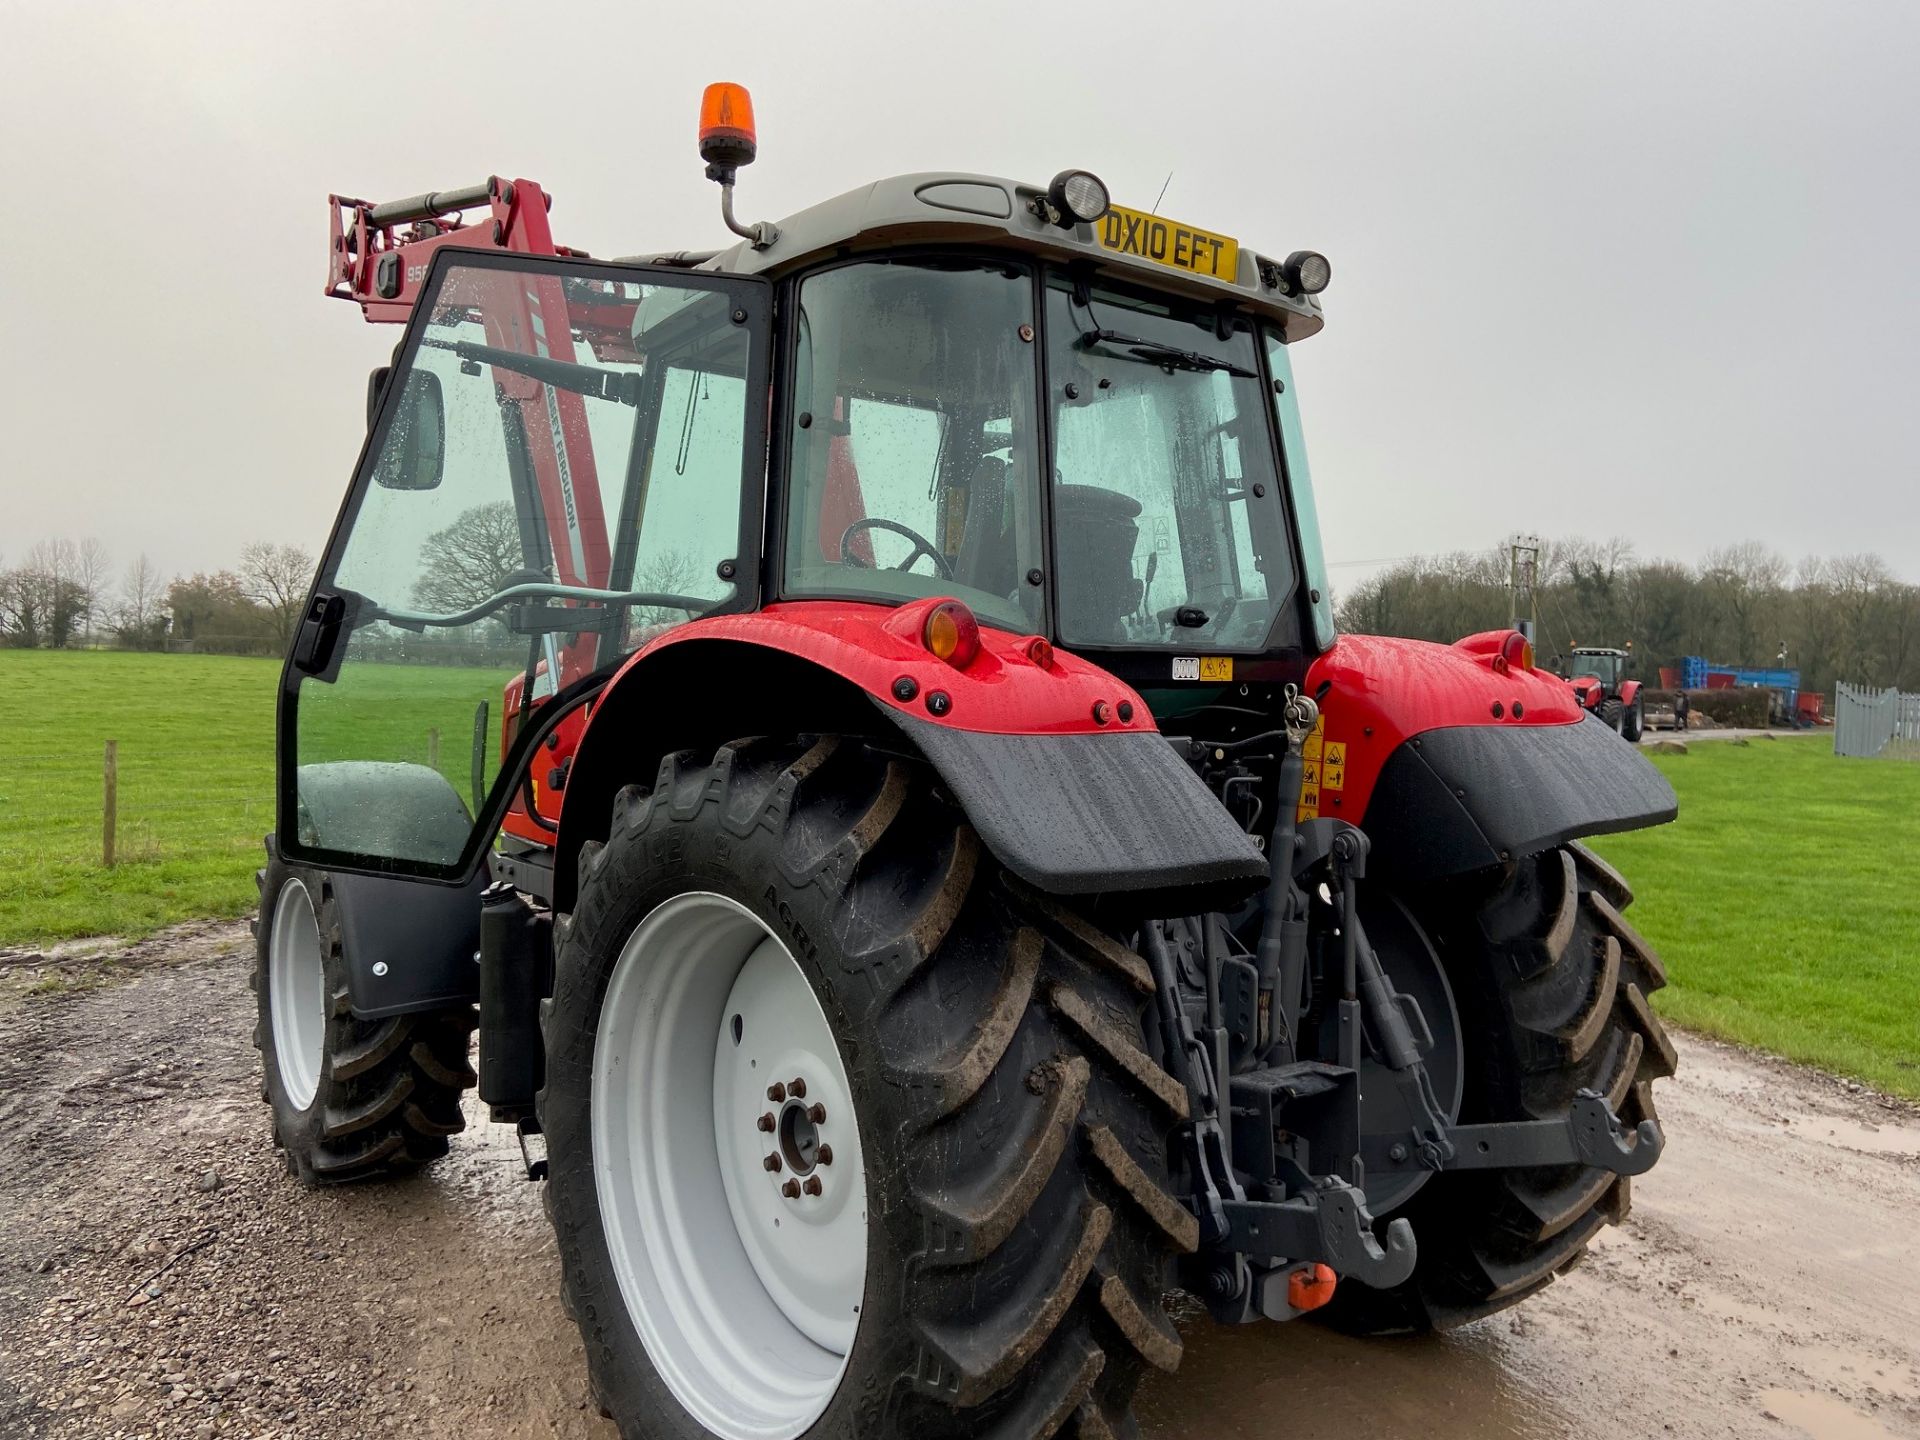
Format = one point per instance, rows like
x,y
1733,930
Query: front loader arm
x,y
379,253
379,257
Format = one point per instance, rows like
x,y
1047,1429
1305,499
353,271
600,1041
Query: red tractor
x,y
926,875
1601,682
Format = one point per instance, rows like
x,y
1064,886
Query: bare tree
x,y
138,620
22,608
91,565
276,577
470,559
671,572
1746,582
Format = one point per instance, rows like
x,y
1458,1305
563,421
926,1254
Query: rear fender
x,y
1069,804
1629,692
1452,764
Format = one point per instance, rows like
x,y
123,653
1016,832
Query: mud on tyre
x,y
1552,984
1011,1129
352,1099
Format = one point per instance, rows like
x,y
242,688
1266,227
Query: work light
x,y
1307,272
1079,196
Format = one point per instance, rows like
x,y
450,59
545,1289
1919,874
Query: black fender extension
x,y
1462,798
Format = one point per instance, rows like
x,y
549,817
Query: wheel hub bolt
x,y
817,1113
766,1122
776,1092
772,1162
791,1189
797,1088
1398,1152
826,1155
812,1187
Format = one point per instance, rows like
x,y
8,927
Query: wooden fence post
x,y
110,814
433,748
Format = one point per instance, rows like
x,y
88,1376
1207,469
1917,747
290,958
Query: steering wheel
x,y
921,545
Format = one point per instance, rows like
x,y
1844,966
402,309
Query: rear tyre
x,y
1552,986
1634,723
352,1099
987,1250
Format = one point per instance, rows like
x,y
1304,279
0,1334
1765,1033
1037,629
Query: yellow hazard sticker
x,y
1310,773
1203,667
1309,807
1311,750
1333,765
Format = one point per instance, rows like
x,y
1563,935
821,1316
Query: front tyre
x,y
1551,985
352,1099
848,1132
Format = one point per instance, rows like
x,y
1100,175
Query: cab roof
x,y
955,208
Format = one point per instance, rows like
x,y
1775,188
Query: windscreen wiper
x,y
1153,352
588,380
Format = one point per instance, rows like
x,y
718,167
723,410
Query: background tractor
x,y
927,876
1602,680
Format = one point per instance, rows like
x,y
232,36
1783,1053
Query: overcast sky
x,y
1637,269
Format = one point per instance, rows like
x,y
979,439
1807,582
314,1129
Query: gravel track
x,y
160,1275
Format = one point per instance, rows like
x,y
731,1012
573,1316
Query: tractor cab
x,y
1607,667
1076,420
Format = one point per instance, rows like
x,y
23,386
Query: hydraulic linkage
x,y
1274,1149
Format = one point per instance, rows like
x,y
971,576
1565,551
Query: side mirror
x,y
415,447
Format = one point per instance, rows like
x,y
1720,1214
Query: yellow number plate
x,y
1169,243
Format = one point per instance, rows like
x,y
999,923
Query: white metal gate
x,y
1867,723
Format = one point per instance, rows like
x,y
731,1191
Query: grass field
x,y
1786,900
195,737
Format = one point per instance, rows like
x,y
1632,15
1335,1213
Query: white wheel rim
x,y
297,994
746,1296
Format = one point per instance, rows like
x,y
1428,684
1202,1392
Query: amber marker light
x,y
952,634
1517,651
726,125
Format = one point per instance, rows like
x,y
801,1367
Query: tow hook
x,y
1330,1225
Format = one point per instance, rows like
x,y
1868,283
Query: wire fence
x,y
127,801
1876,723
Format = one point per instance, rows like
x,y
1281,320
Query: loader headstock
x,y
378,254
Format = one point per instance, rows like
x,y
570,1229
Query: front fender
x,y
1451,764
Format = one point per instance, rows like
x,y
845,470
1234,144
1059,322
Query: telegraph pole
x,y
1523,580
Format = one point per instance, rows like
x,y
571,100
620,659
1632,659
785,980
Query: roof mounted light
x,y
728,141
1306,272
1078,197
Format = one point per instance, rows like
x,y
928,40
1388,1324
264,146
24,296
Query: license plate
x,y
1169,243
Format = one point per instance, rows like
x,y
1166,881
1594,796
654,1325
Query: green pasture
x,y
1786,902
195,761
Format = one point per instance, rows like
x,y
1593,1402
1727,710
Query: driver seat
x,y
985,559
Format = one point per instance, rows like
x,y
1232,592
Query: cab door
x,y
563,463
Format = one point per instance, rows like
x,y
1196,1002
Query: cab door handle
x,y
319,633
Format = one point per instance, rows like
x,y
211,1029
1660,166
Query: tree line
x,y
1847,618
66,593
